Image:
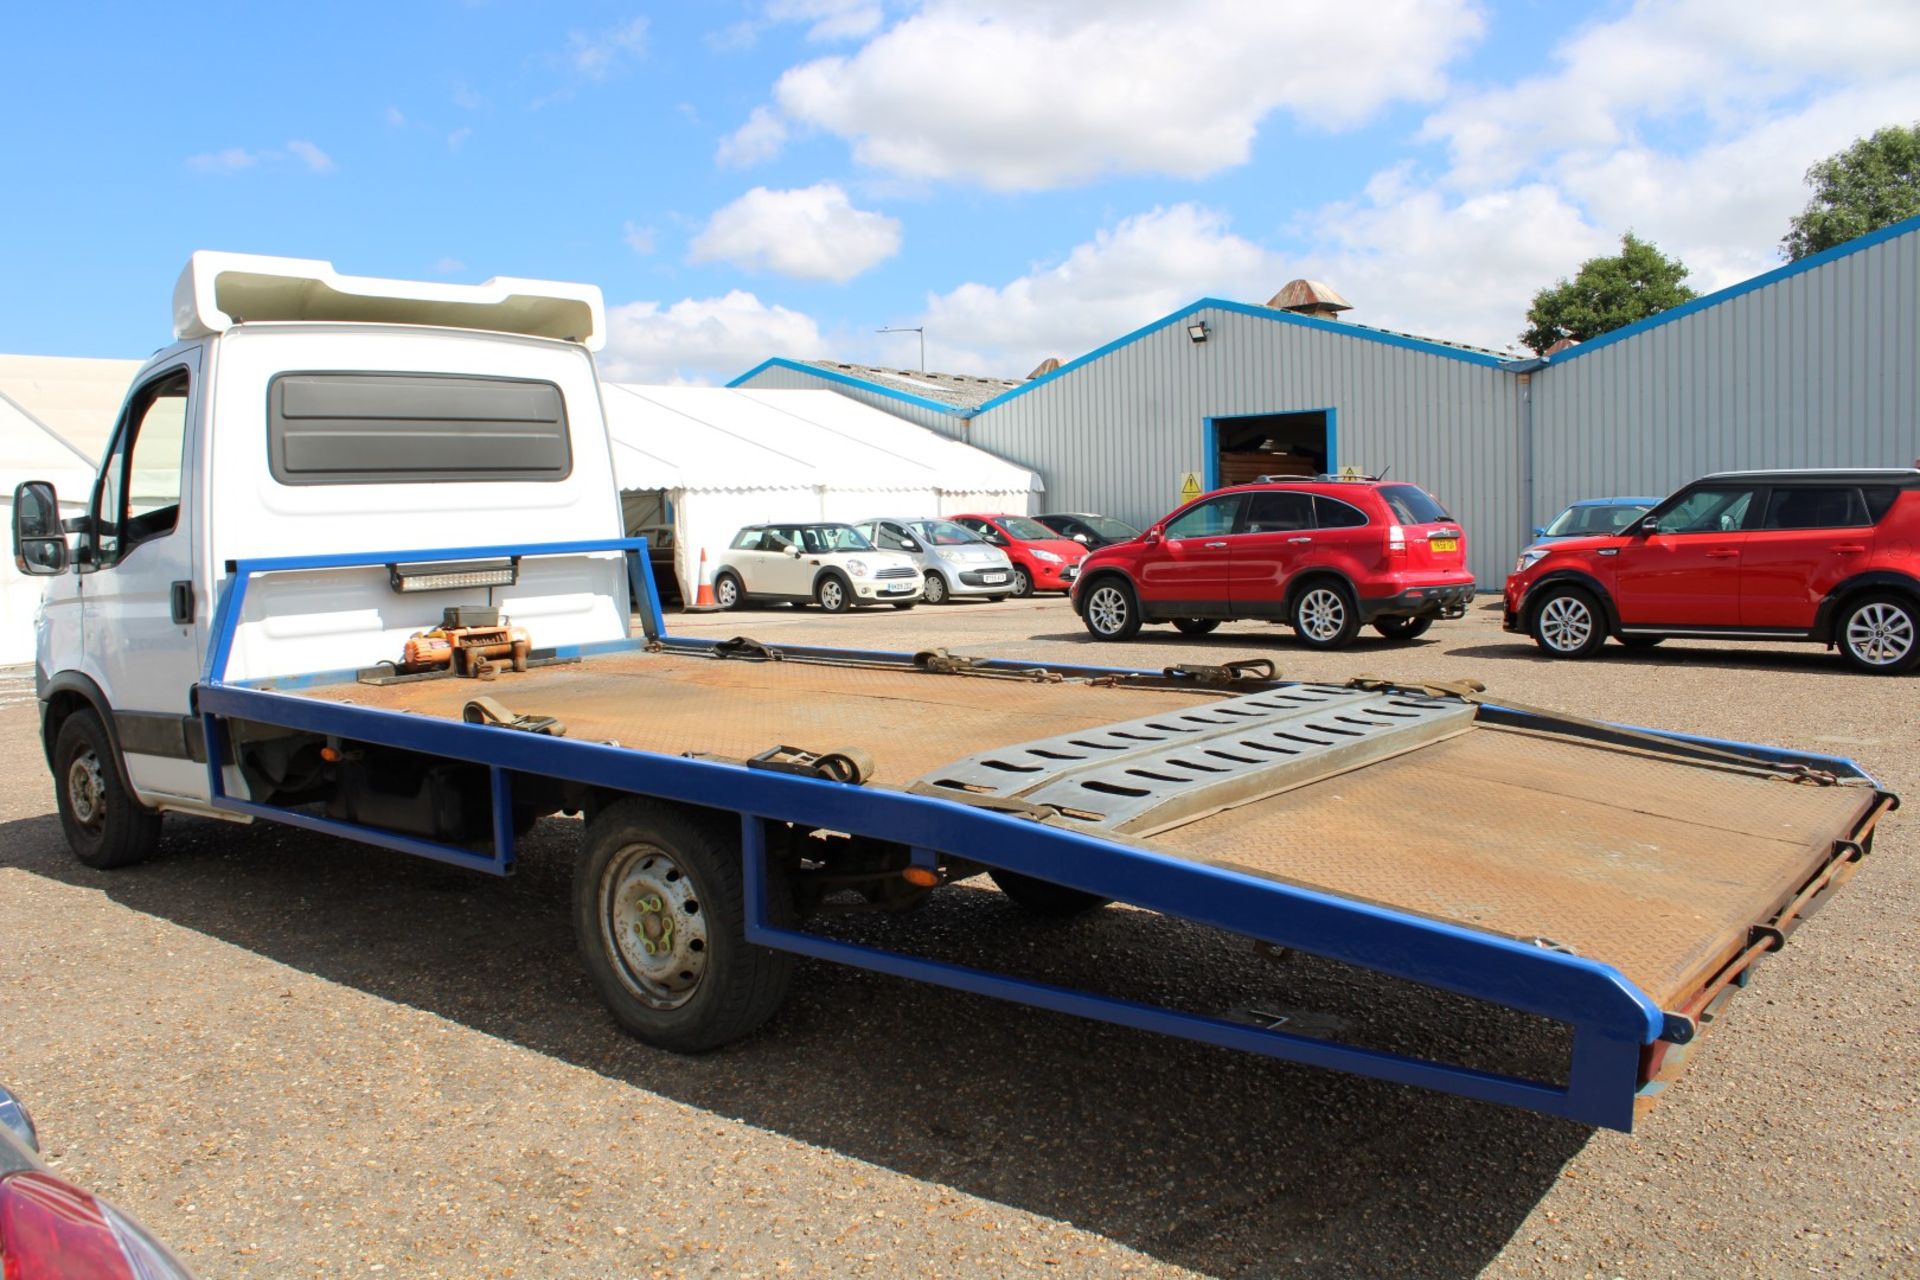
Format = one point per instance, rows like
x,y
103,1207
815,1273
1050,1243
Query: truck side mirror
x,y
39,542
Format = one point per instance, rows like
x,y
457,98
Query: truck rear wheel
x,y
658,910
1045,898
106,827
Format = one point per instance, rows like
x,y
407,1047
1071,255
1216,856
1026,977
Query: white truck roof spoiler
x,y
220,290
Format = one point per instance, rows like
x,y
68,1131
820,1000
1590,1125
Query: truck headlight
x,y
1529,558
858,568
1041,553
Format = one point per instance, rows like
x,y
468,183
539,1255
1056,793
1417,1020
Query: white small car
x,y
955,560
832,565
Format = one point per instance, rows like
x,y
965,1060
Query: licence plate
x,y
1071,571
993,577
1443,544
898,588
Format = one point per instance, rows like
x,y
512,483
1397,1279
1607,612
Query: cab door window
x,y
1816,507
139,495
1211,519
1715,510
1279,512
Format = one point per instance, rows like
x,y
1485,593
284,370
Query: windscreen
x,y
1411,505
1608,518
944,533
1111,529
1027,530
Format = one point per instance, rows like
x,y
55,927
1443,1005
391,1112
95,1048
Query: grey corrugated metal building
x,y
1812,364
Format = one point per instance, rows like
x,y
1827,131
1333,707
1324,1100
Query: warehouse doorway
x,y
1241,450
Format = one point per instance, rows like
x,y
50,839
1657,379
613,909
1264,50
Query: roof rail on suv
x,y
1322,478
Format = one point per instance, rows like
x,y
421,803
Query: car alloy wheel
x,y
1880,634
936,589
1322,614
1566,623
1108,609
726,592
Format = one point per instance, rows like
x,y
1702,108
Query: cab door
x,y
1686,572
1813,538
144,644
1190,574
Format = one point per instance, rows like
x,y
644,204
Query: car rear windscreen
x,y
397,428
1411,505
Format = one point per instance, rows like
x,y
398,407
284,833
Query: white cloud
x,y
638,238
396,118
830,19
231,160
703,340
458,138
813,233
449,266
316,160
1018,95
596,56
1140,269
760,138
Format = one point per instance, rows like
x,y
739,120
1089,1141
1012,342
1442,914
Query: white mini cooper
x,y
832,565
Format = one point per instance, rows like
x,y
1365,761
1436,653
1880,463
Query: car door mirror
x,y
1081,538
1152,535
39,540
1539,531
1650,524
908,544
793,551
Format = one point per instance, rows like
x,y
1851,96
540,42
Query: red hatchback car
x,y
1827,556
1326,555
1042,559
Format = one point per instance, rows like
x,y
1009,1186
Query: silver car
x,y
956,560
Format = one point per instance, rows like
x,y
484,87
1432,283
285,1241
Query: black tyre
x,y
1879,633
832,593
727,591
995,599
658,911
936,589
1110,610
1566,622
1195,626
106,827
1403,628
1641,642
904,604
1022,581
1044,898
1324,615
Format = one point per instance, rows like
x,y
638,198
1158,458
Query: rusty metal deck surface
x,y
1654,867
910,721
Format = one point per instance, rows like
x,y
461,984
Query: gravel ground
x,y
289,1055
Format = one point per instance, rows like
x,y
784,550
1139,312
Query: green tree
x,y
1607,293
1872,184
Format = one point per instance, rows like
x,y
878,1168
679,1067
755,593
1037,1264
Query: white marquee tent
x,y
724,458
56,414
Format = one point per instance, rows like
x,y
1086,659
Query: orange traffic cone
x,y
705,598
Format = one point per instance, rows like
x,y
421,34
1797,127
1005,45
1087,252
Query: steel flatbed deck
x,y
1618,881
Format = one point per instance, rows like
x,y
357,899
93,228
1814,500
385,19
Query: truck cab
x,y
300,410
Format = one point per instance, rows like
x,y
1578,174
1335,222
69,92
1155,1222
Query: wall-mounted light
x,y
443,575
1197,331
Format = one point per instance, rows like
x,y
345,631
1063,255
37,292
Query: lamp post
x,y
921,330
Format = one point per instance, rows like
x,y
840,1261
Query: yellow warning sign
x,y
1350,472
1189,485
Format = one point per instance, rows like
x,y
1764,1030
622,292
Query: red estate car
x,y
1042,559
1326,555
1827,556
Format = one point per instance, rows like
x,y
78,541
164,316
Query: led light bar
x,y
447,575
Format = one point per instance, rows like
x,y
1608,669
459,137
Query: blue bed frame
x,y
1611,1020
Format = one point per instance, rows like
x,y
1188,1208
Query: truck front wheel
x,y
105,825
659,914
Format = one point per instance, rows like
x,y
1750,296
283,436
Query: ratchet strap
x,y
491,711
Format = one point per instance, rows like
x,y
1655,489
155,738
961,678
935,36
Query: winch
x,y
467,642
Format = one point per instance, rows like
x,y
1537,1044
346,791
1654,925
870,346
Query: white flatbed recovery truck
x,y
353,564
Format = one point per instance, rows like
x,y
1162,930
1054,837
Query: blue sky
x,y
782,177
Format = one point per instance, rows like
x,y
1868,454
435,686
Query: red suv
x,y
1325,555
1042,559
1828,556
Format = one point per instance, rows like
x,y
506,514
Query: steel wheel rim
x,y
1322,613
936,589
653,926
1107,610
726,593
831,596
1565,623
1880,635
87,791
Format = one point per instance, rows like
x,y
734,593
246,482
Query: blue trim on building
x,y
858,384
1728,294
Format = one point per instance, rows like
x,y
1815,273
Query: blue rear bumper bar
x,y
1612,1021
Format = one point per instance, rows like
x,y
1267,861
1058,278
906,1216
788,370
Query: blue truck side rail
x,y
1612,1022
